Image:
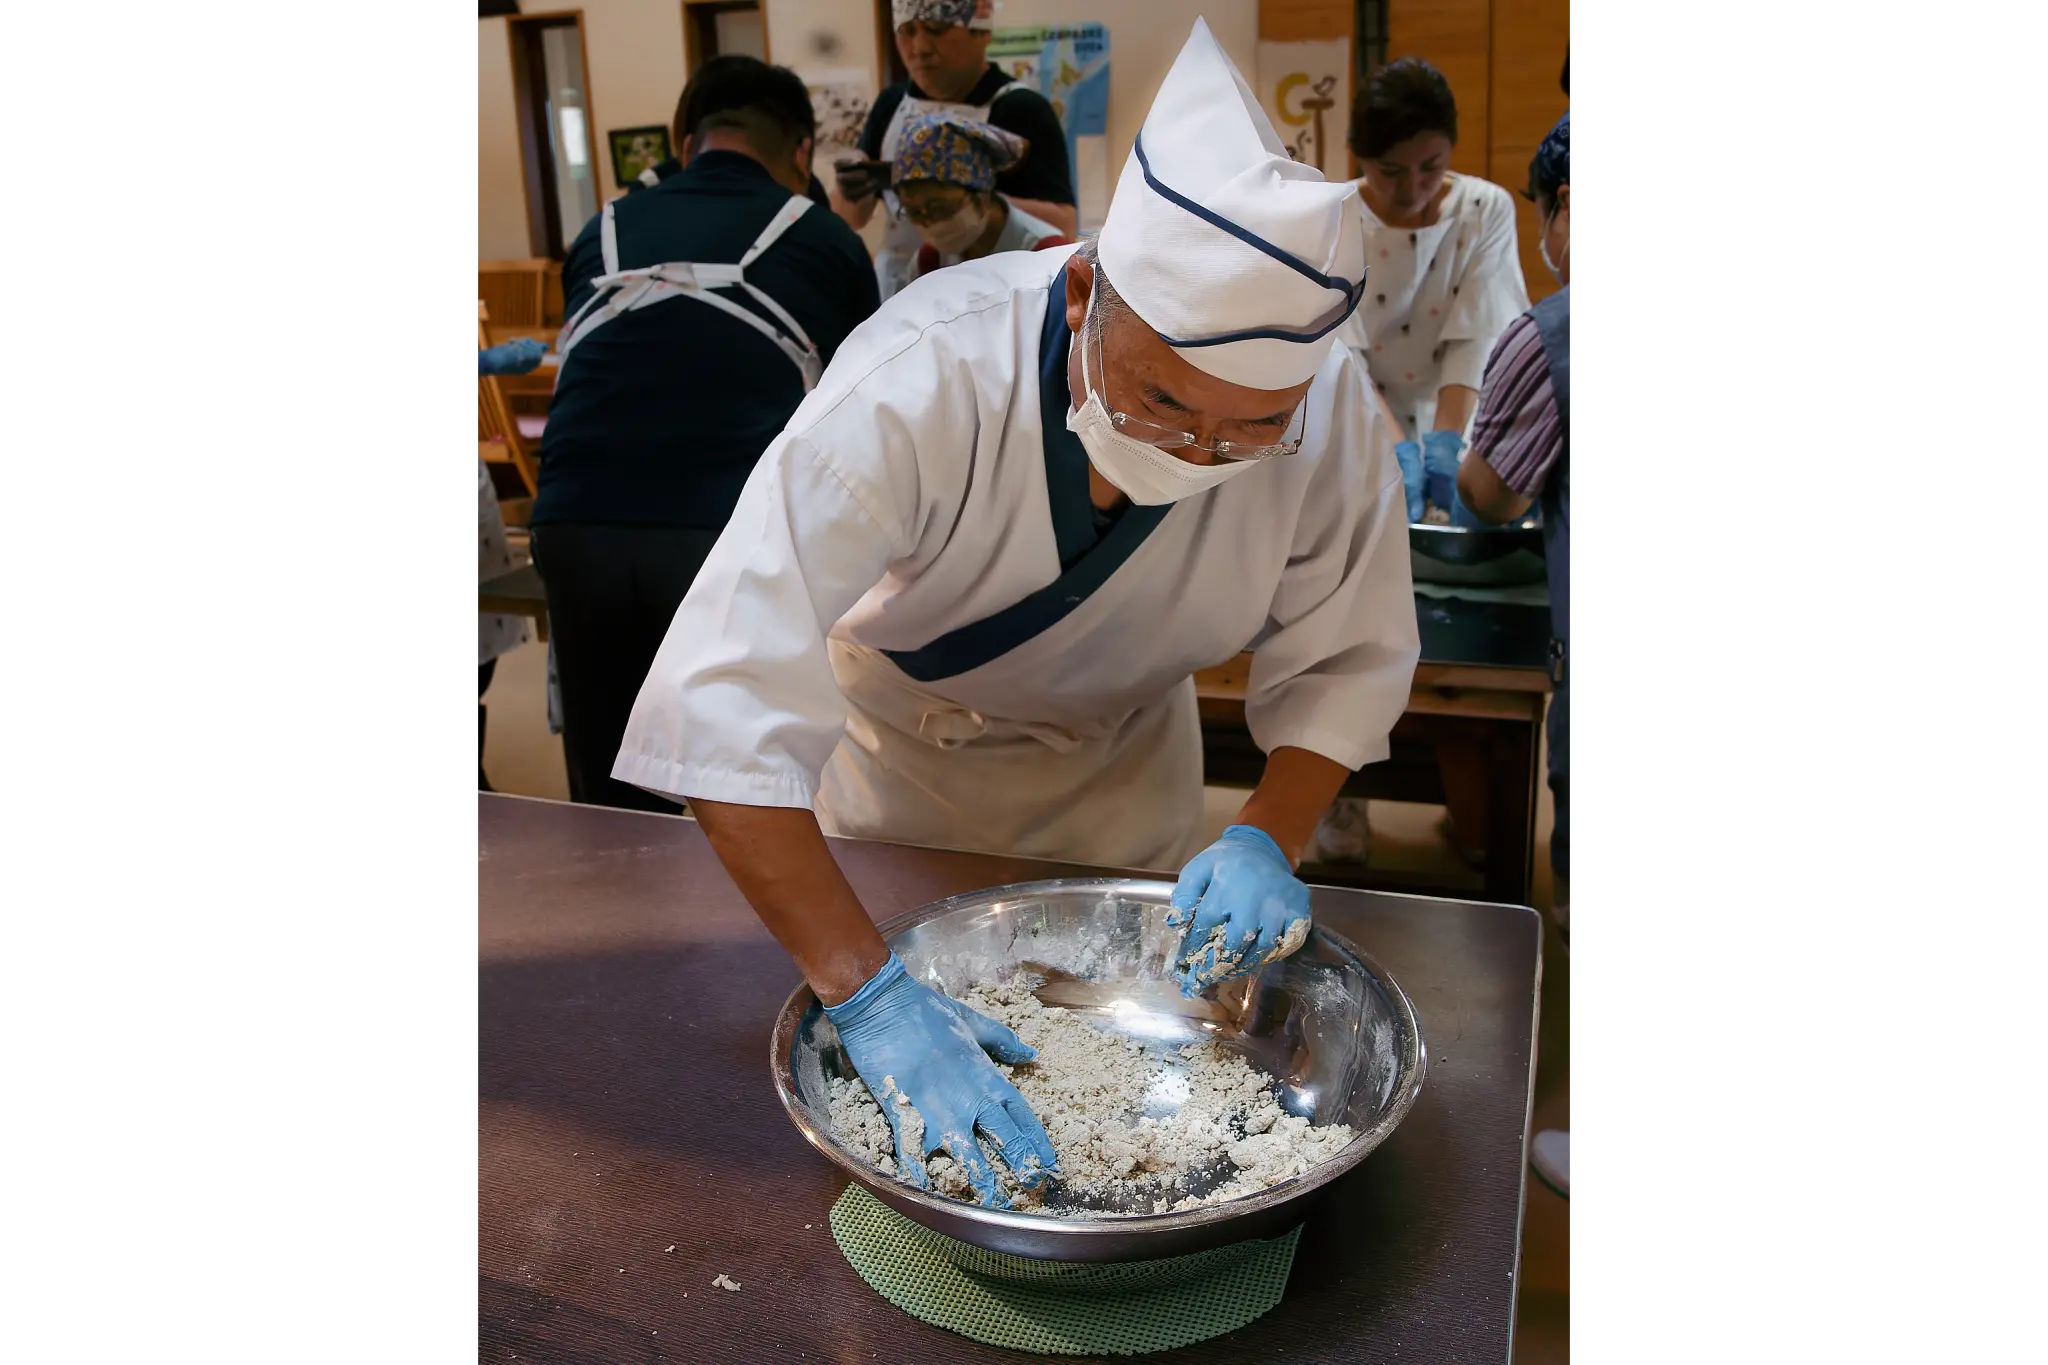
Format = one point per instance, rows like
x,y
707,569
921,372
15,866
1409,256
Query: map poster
x,y
1069,65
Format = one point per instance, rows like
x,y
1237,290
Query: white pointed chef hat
x,y
1243,259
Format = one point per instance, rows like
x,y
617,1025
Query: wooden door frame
x,y
692,59
522,105
888,61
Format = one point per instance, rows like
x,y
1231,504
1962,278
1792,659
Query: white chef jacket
x,y
909,497
1437,298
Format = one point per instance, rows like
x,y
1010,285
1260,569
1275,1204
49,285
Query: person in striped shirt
x,y
1521,454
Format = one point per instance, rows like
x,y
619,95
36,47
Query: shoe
x,y
1551,1154
1343,836
1473,858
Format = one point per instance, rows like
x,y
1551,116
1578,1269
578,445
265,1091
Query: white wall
x,y
500,193
635,51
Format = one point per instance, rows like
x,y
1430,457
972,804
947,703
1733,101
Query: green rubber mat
x,y
1058,1307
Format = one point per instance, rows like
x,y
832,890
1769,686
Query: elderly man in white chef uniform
x,y
962,596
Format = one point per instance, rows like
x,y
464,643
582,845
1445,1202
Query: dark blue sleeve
x,y
585,263
1043,173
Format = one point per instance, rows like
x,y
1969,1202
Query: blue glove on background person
x,y
1408,454
1440,452
1243,885
517,356
925,1058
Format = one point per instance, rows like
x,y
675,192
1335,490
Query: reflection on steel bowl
x,y
1338,1034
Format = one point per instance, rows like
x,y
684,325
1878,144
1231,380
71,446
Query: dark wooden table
x,y
626,996
517,592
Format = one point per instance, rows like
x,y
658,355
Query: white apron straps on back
x,y
621,291
896,262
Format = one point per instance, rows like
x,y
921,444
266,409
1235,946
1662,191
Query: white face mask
x,y
954,235
1543,250
1146,474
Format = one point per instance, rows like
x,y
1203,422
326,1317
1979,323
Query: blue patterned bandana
x,y
956,148
1552,164
970,14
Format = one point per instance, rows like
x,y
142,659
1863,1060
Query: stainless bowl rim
x,y
1412,1065
1519,529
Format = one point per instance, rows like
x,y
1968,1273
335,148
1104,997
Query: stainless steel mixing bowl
x,y
1333,1027
1484,556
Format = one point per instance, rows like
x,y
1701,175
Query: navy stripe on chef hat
x,y
1240,257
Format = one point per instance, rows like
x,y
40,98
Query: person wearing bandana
x,y
945,175
944,45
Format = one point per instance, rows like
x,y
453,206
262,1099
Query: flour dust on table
x,y
1138,1127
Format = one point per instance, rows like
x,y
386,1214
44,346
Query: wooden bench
x,y
1495,712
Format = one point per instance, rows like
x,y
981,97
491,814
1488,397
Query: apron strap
x,y
608,239
621,291
797,207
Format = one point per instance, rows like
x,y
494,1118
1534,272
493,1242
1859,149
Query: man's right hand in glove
x,y
925,1058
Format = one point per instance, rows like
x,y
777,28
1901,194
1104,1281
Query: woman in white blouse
x,y
1443,279
1443,276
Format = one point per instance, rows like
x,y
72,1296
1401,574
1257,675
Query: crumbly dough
x,y
1091,1089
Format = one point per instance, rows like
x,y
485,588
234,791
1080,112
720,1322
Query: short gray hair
x,y
1111,303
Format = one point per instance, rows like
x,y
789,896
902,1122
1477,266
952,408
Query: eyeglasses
x,y
1166,438
928,209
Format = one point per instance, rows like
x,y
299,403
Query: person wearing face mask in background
x,y
945,174
944,47
1521,457
1446,280
963,596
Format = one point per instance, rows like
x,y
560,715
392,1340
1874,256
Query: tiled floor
x,y
522,757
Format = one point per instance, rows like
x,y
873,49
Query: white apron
x,y
1436,299
896,262
915,768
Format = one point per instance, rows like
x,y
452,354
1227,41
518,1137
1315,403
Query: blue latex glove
x,y
1241,883
1440,452
516,356
1461,515
925,1057
1408,454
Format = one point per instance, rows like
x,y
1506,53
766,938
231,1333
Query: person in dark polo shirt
x,y
944,46
677,370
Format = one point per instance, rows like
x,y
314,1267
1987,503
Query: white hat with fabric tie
x,y
1243,259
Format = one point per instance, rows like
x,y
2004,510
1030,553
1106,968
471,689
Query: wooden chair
x,y
516,292
512,450
497,432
